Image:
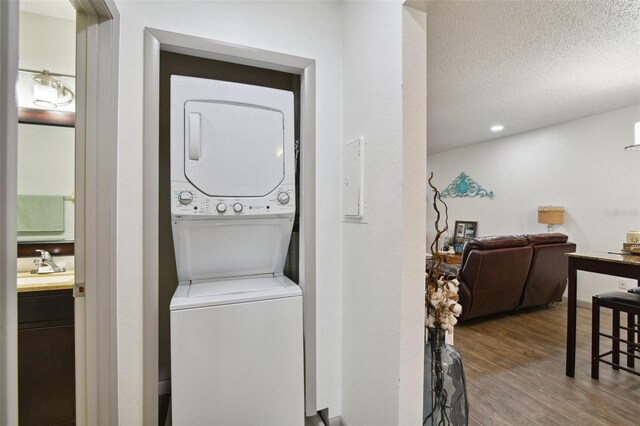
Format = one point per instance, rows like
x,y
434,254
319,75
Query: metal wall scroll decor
x,y
464,186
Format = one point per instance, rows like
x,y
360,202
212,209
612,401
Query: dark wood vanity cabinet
x,y
46,358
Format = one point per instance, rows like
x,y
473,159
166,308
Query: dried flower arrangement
x,y
441,292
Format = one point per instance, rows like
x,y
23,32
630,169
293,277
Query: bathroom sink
x,y
45,279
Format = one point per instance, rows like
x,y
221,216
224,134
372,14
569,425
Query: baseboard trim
x,y
579,303
337,421
317,421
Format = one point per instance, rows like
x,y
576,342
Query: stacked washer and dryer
x,y
236,320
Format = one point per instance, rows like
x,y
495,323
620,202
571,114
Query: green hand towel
x,y
40,213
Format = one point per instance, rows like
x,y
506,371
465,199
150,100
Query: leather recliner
x,y
492,274
503,273
547,278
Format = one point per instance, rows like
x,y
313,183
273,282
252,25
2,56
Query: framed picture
x,y
464,231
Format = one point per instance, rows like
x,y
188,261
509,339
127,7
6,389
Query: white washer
x,y
236,320
237,352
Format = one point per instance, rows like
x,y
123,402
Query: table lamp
x,y
551,215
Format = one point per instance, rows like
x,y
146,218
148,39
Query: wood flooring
x,y
515,371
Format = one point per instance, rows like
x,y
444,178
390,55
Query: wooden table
x,y
453,258
627,266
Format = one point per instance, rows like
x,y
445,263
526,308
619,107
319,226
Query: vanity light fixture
x,y
49,91
497,128
636,145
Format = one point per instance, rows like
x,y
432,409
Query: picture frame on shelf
x,y
465,230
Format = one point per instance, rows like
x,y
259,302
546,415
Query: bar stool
x,y
618,302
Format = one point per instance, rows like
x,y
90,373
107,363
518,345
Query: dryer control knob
x,y
237,207
185,197
283,198
221,207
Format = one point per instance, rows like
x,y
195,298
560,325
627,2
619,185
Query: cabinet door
x,y
46,375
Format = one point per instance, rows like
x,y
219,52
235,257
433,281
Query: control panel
x,y
188,201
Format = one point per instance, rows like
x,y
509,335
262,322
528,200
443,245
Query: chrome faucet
x,y
45,264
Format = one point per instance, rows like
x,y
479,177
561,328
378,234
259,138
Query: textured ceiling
x,y
526,65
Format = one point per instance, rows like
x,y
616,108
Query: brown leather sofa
x,y
504,273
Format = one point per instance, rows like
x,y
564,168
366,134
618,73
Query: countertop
x,y
44,282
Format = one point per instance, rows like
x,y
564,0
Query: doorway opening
x,y
172,63
157,41
93,241
45,213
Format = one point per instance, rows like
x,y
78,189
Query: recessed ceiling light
x,y
497,128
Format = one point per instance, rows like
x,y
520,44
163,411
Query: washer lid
x,y
208,249
229,291
233,149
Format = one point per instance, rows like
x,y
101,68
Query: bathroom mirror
x,y
46,157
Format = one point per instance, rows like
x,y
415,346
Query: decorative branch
x,y
441,292
442,308
437,257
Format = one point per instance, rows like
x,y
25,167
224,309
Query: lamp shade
x,y
551,215
636,145
49,91
45,96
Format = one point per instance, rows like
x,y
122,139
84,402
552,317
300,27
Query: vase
x,y
445,395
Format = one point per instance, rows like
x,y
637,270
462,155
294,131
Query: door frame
x,y
9,34
97,52
95,234
155,41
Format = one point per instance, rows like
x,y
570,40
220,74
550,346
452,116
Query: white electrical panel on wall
x,y
352,191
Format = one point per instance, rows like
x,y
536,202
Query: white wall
x,y
47,43
580,165
307,29
382,333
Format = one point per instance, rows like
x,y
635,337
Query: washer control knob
x,y
185,197
221,207
237,207
283,198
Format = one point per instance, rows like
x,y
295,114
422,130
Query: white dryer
x,y
236,320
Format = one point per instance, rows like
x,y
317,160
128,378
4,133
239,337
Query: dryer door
x,y
233,149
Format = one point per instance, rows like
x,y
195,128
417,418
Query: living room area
x,y
530,108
